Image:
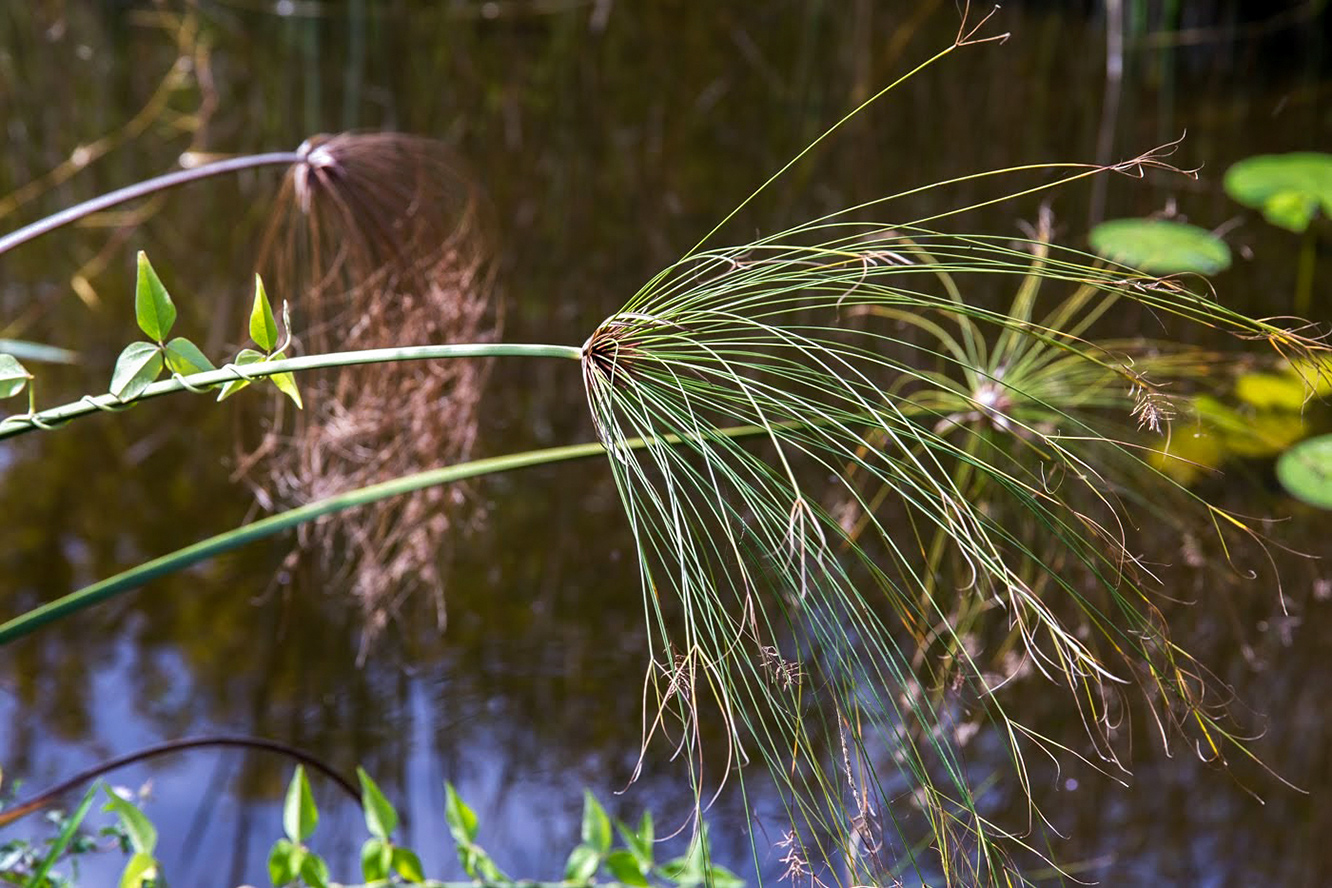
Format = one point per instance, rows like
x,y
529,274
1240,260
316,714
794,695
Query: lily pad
x,y
1272,391
1159,246
1287,188
1305,470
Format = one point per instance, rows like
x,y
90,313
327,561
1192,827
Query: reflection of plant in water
x,y
384,240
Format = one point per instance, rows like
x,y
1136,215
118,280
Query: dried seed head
x,y
380,240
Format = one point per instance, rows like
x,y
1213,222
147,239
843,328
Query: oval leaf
x,y
380,817
138,365
13,376
376,855
407,865
1305,470
299,814
596,832
461,819
1159,246
582,865
184,357
246,356
624,866
1288,188
284,862
263,328
314,871
141,868
286,383
639,843
152,305
142,833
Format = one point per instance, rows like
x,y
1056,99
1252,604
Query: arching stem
x,y
143,189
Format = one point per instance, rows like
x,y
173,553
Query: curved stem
x,y
143,189
224,542
17,425
45,798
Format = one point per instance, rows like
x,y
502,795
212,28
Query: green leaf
x,y
1159,246
691,868
152,305
71,826
679,872
640,842
1287,188
142,833
286,383
246,356
284,862
627,868
263,328
141,867
376,857
299,814
484,868
13,376
408,865
582,865
184,357
1270,391
596,831
721,877
138,365
461,819
314,871
380,818
1290,210
1305,470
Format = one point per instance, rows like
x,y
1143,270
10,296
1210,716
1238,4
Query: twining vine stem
x,y
43,419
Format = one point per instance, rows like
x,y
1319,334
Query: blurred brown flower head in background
x,y
379,240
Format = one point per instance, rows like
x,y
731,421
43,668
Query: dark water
x,y
610,136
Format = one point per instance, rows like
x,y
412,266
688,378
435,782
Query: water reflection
x,y
609,142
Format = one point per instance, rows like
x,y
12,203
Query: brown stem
x,y
44,799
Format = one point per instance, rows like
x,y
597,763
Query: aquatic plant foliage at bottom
x,y
831,654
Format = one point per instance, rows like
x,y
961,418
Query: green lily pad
x,y
1270,391
1159,246
1287,188
1305,470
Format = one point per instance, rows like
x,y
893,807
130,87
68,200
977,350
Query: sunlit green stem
x,y
265,527
16,425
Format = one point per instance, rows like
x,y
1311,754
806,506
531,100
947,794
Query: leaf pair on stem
x,y
141,363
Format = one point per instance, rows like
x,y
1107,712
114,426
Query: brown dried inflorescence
x,y
380,240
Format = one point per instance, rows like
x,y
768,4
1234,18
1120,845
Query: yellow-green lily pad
x,y
1271,391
